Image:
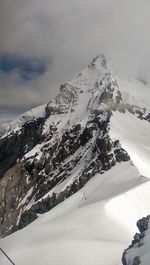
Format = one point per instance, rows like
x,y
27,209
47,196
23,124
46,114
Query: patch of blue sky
x,y
27,68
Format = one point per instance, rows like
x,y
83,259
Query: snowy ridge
x,y
15,126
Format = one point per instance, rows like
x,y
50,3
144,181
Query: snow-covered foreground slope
x,y
91,227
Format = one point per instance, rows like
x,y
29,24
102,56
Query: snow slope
x,y
133,134
82,229
86,228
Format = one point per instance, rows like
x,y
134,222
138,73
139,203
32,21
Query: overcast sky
x,y
44,43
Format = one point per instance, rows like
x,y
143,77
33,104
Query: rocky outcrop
x,y
128,257
143,224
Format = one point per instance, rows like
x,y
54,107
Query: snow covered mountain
x,y
91,142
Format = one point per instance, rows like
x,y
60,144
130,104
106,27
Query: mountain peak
x,y
94,88
99,61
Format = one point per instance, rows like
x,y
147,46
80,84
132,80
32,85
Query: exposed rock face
x,y
51,158
143,224
17,144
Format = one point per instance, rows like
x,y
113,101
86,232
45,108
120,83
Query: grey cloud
x,y
72,32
